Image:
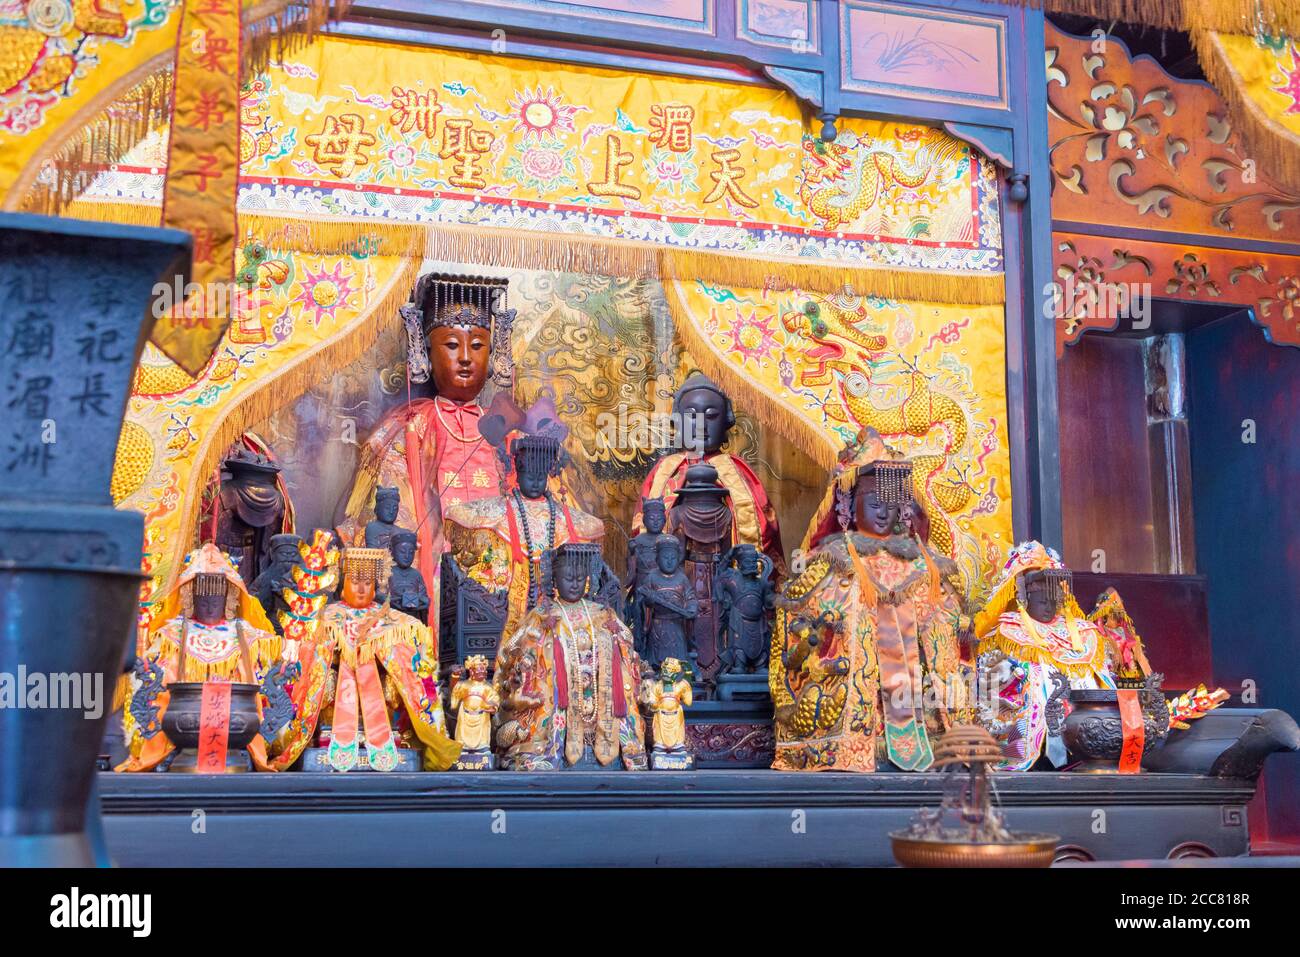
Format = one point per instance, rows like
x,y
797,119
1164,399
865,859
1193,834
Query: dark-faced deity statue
x,y
568,677
744,597
406,591
380,529
503,542
705,418
251,508
268,587
668,597
641,560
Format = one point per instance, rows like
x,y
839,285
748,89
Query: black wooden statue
x,y
641,560
268,587
668,597
744,598
406,588
380,530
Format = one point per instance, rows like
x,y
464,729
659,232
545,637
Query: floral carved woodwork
x,y
1265,282
1132,146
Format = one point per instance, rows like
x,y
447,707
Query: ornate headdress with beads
x,y
469,301
209,570
366,564
1009,592
476,661
586,553
867,453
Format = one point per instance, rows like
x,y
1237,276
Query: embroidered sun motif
x,y
324,292
539,115
752,337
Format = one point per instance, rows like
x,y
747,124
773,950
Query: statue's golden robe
x,y
887,667
473,703
668,703
568,679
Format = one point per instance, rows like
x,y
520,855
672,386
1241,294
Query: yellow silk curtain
x,y
930,377
308,313
1259,78
1225,16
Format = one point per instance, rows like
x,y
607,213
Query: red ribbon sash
x,y
561,673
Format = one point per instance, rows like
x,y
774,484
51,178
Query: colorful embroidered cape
x,y
339,675
1042,660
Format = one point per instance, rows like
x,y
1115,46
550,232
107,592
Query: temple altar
x,y
566,438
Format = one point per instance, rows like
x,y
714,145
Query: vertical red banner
x,y
1130,714
214,727
203,174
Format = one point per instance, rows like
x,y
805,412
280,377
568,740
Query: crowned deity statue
x,y
705,416
568,678
428,453
666,697
1035,645
503,542
368,674
865,658
208,629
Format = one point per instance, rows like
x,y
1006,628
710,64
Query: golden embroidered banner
x,y
202,185
79,85
305,314
930,378
529,164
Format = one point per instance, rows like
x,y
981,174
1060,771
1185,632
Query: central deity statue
x,y
866,662
568,678
428,454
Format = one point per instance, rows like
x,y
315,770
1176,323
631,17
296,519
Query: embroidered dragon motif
x,y
844,179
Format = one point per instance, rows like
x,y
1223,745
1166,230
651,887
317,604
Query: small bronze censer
x,y
966,829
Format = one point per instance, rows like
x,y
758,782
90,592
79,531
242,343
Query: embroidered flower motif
x,y
544,167
401,156
672,173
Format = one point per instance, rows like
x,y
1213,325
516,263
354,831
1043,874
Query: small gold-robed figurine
x,y
667,698
475,701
